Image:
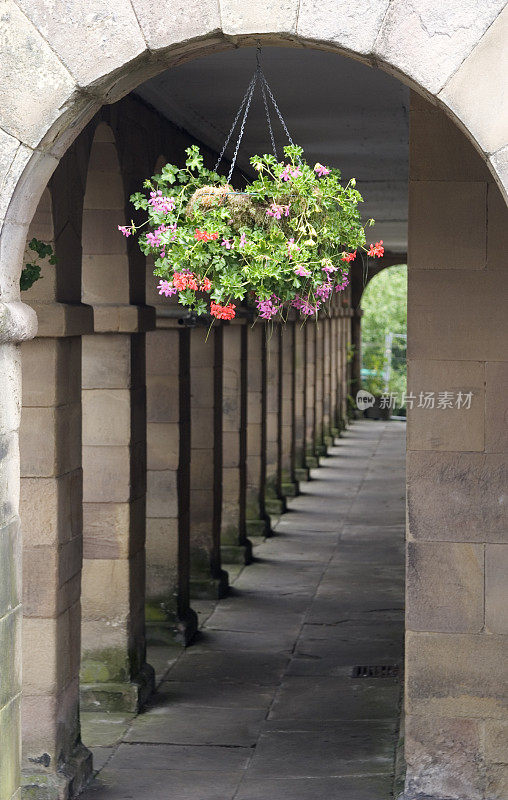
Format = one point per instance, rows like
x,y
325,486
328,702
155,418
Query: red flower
x,y
348,256
204,236
222,312
206,284
376,249
192,282
180,281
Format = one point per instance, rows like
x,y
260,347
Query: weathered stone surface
x,y
465,241
499,165
35,84
108,30
446,428
496,588
353,28
106,362
50,440
496,406
10,740
456,675
432,743
163,441
106,417
180,21
445,587
478,86
161,498
238,17
457,497
51,371
427,41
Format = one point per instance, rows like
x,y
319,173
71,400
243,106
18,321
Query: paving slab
x,y
263,706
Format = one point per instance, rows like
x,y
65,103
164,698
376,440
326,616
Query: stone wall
x,y
457,551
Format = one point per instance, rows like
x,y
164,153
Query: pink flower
x,y
290,172
243,240
161,203
343,285
323,291
277,211
125,230
321,171
153,239
329,268
302,271
166,288
226,243
304,306
269,308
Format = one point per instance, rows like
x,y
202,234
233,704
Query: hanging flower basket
x,y
286,242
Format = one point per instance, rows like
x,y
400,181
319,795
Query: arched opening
x,y
427,633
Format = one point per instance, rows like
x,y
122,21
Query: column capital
x,y
18,322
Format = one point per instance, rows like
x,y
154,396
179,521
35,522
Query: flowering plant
x,y
286,241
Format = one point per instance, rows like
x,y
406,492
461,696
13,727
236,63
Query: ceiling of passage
x,y
342,113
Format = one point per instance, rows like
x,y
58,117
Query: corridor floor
x,y
263,706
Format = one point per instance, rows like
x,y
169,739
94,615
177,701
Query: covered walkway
x,y
264,705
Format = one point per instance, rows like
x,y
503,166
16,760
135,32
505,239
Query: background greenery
x,y
384,304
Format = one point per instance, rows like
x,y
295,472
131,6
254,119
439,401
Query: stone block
x,y
47,655
51,578
104,189
50,508
456,497
464,241
108,30
479,86
161,495
10,567
161,557
497,232
30,107
498,163
446,428
456,674
337,24
238,18
180,21
10,740
202,427
163,442
428,42
202,394
438,148
496,740
445,587
496,588
105,275
106,417
442,758
50,440
51,371
112,589
106,475
113,530
496,406
162,399
231,448
10,388
106,362
162,348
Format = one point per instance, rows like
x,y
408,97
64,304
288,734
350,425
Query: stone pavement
x,y
263,706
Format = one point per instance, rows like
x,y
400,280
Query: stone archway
x,y
51,89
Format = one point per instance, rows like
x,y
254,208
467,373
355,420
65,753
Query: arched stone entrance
x,y
453,57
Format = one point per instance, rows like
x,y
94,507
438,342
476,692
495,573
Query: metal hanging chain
x,y
276,107
233,126
245,106
268,119
242,127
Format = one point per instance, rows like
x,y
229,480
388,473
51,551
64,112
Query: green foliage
x,y
32,270
384,304
280,238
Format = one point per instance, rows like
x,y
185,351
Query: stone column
x,y
51,505
208,579
457,547
334,376
327,370
300,470
257,524
318,411
235,547
114,673
288,485
311,459
274,502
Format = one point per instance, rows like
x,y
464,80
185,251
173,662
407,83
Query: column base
x,y
172,629
119,696
302,474
275,506
256,528
237,553
207,588
289,489
62,785
334,432
312,462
